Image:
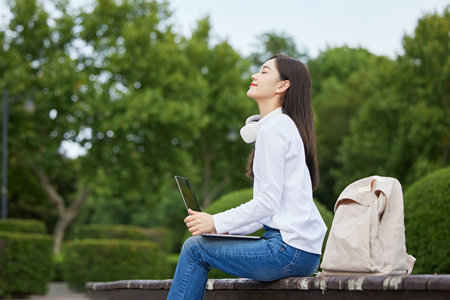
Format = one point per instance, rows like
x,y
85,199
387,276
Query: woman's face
x,y
266,82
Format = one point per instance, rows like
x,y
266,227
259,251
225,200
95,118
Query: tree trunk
x,y
65,214
60,231
209,193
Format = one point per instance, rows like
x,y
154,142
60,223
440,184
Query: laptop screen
x,y
184,185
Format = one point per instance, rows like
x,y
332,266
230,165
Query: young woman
x,y
284,167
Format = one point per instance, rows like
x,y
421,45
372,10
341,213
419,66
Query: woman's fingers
x,y
199,222
192,215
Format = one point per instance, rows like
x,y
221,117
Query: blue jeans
x,y
266,259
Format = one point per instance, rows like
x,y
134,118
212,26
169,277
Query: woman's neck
x,y
266,108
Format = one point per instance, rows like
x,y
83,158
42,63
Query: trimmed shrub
x,y
23,225
110,260
230,200
58,260
173,261
241,196
25,263
427,222
326,214
125,232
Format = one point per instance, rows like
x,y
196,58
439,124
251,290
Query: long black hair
x,y
297,105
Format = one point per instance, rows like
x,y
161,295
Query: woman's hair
x,y
297,105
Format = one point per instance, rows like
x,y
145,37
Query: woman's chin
x,y
250,95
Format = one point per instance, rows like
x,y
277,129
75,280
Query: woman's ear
x,y
283,86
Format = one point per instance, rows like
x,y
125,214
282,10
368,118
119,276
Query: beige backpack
x,y
367,236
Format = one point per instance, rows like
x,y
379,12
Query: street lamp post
x,y
5,155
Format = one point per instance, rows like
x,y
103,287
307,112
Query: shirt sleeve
x,y
247,229
268,169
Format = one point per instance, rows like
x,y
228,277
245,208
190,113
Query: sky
x,y
375,25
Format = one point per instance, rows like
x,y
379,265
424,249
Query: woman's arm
x,y
268,167
250,228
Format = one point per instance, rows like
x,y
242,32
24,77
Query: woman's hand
x,y
200,222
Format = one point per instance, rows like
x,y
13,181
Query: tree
x,y
81,95
426,64
339,77
402,129
41,76
220,153
143,106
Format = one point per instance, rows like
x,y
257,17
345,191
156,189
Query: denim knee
x,y
192,247
191,243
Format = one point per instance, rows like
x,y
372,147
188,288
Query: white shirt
x,y
282,191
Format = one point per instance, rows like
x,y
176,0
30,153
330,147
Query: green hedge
x,y
125,232
427,222
25,263
241,196
22,225
58,261
230,200
110,260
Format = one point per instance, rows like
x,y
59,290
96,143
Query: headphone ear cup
x,y
252,119
252,124
248,132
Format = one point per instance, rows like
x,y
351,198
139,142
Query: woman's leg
x,y
266,260
191,273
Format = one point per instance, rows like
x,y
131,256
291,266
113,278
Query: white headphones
x,y
253,123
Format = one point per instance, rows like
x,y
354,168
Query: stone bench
x,y
358,287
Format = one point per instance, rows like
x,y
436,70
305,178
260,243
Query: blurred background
x,y
104,101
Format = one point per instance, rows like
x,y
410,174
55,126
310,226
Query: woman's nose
x,y
253,77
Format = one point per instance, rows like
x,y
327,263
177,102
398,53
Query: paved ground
x,y
59,291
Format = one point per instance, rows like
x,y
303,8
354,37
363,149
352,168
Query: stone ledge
x,y
344,283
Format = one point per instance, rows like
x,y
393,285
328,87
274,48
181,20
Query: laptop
x,y
190,201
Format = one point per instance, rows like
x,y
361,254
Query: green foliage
x,y
58,266
363,152
110,260
327,216
401,130
338,77
136,98
22,225
427,207
124,232
230,200
173,261
25,263
339,63
171,107
219,155
29,202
